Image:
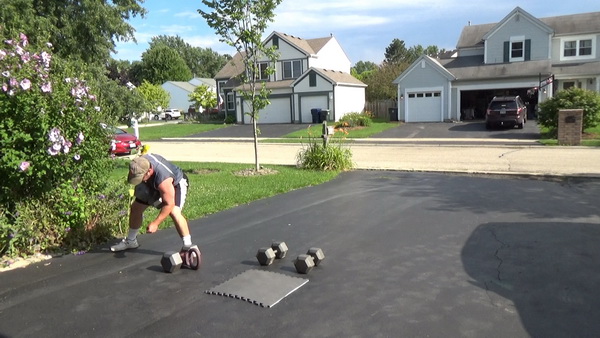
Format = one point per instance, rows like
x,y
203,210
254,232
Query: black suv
x,y
506,110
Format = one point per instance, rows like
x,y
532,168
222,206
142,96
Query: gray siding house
x,y
520,55
309,74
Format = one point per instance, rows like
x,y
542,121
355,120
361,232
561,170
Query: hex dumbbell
x,y
189,258
170,261
266,256
305,263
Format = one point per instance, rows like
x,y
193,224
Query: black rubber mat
x,y
262,288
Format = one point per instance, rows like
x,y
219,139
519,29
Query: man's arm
x,y
167,193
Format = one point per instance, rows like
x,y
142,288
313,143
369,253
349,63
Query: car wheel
x,y
156,117
168,117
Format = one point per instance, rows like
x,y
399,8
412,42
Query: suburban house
x,y
180,90
309,74
520,55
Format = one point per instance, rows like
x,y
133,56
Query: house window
x,y
276,42
516,50
292,69
570,48
578,48
263,73
230,101
569,84
585,47
312,80
221,85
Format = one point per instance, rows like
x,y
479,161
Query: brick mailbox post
x,y
570,126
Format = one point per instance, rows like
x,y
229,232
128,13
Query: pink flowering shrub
x,y
54,152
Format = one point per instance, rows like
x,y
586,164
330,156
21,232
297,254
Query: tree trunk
x,y
255,127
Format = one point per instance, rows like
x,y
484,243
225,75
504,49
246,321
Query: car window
x,y
497,105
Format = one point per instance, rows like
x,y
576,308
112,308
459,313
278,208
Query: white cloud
x,y
188,15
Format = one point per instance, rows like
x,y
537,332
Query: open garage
x,y
473,103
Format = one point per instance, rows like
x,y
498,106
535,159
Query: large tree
x,y
380,84
161,63
84,30
362,69
203,62
240,24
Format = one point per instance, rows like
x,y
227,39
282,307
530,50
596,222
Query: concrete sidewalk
x,y
437,155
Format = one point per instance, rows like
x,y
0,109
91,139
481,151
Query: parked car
x,y
168,114
506,111
122,142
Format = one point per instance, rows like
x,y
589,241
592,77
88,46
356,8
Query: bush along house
x,y
309,74
520,55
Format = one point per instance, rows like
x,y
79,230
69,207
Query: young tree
x,y
203,97
241,23
154,96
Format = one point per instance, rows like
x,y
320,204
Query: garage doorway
x,y
473,103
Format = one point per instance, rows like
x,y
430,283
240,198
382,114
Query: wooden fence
x,y
380,108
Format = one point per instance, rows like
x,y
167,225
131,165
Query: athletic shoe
x,y
125,244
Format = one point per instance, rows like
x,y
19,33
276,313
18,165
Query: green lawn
x,y
359,132
216,187
153,133
591,137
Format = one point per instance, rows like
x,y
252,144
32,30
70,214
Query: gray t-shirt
x,y
163,169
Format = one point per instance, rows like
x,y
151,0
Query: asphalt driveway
x,y
407,255
459,130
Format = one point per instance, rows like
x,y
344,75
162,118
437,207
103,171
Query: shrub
x,y
573,98
230,119
54,151
332,156
355,120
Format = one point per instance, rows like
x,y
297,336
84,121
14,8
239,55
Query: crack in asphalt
x,y
506,153
500,262
502,246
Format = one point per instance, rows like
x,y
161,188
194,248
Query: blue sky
x,y
363,28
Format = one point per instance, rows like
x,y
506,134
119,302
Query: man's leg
x,y
136,212
181,223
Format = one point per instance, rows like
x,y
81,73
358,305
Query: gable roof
x,y
232,68
517,13
307,46
198,81
334,76
183,85
473,68
432,62
474,35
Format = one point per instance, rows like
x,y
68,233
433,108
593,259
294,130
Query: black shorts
x,y
146,197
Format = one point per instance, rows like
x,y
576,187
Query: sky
x,y
363,28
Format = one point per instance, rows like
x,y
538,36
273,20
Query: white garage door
x,y
424,107
309,102
276,112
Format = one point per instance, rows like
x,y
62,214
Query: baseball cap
x,y
138,167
